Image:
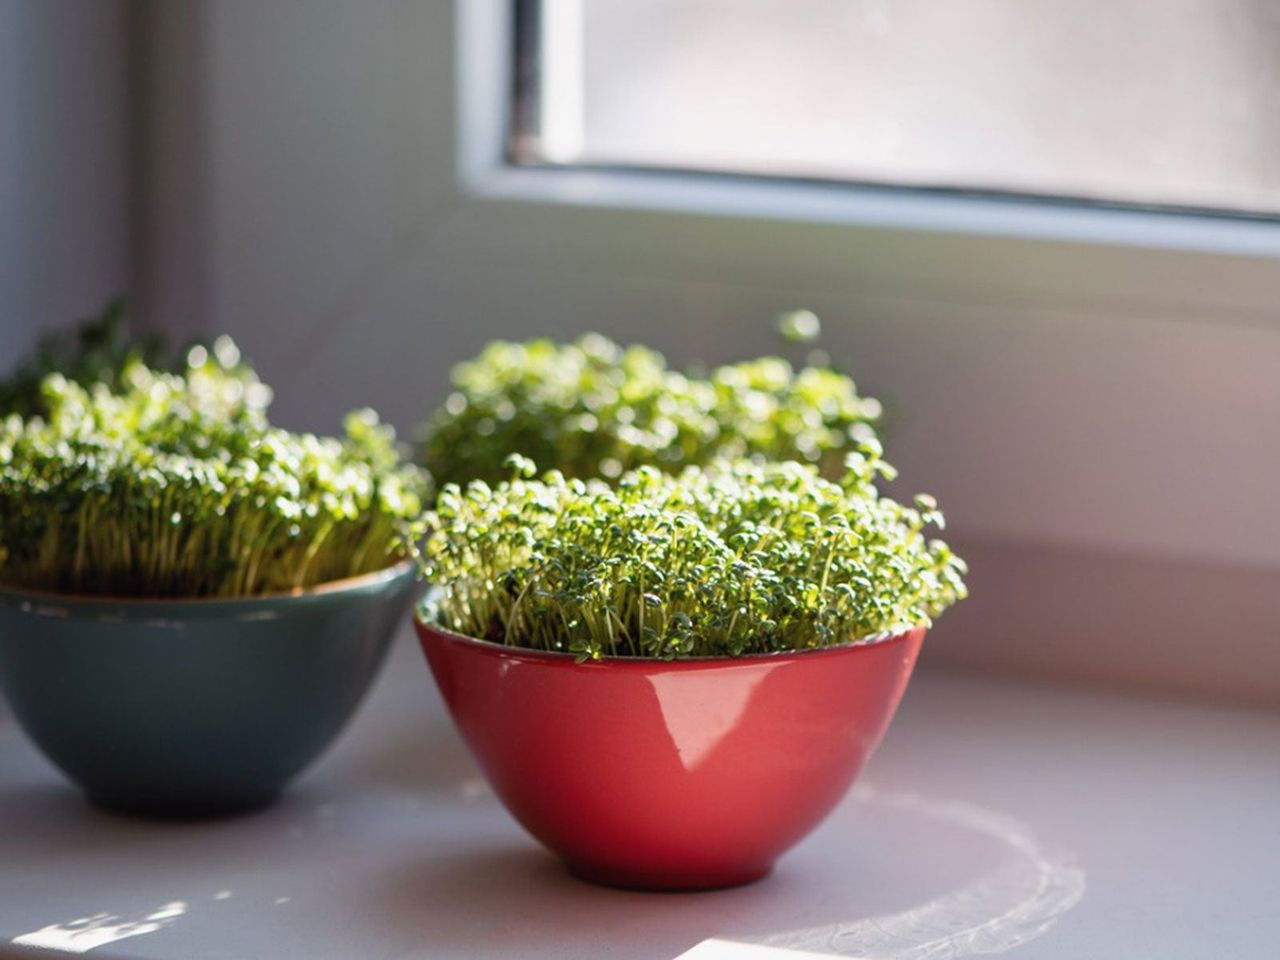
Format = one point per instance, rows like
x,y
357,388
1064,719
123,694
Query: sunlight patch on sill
x,y
715,949
86,933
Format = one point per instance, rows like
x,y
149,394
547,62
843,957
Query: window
x,y
1126,102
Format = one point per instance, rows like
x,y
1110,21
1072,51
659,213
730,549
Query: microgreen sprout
x,y
799,326
99,350
729,559
594,409
176,485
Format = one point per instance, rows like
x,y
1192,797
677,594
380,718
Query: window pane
x,y
1172,102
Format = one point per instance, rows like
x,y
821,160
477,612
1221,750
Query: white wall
x,y
64,161
1098,422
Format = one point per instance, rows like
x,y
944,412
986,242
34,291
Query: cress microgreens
x,y
594,409
98,350
729,559
163,484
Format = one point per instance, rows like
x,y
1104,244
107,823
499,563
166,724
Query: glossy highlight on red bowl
x,y
681,775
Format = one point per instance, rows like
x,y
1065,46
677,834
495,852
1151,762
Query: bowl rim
x,y
11,595
553,656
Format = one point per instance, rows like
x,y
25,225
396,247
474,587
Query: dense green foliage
x,y
176,485
731,559
594,409
96,351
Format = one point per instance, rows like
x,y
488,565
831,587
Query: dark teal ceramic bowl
x,y
189,707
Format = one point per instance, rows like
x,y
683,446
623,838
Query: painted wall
x,y
64,164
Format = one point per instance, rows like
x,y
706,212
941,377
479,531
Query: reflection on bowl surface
x,y
671,775
193,707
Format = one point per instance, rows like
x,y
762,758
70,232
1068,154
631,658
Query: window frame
x,y
494,165
532,143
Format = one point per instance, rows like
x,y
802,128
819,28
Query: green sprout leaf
x,y
799,326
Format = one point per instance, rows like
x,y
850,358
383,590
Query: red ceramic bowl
x,y
670,775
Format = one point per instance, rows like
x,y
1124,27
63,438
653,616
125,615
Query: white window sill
x,y
1078,824
800,201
